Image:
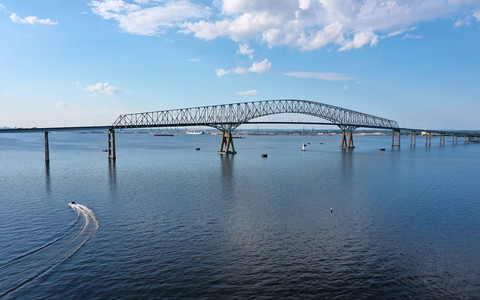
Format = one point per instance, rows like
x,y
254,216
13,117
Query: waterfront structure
x,y
227,117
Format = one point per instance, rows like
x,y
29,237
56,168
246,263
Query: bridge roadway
x,y
228,117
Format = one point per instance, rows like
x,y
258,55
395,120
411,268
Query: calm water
x,y
178,223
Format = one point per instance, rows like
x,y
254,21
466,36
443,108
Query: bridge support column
x,y
413,139
111,144
442,139
227,146
396,138
350,144
428,138
47,148
454,139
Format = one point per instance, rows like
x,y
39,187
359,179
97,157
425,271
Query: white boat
x,y
194,132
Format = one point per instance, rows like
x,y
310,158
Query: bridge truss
x,y
227,117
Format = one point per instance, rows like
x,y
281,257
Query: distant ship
x,y
194,132
163,134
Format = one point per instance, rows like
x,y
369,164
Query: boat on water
x,y
194,132
163,134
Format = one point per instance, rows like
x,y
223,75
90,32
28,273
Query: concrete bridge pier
x,y
428,139
111,144
442,139
413,139
350,144
454,139
47,148
227,147
396,138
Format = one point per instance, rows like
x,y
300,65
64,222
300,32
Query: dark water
x,y
178,223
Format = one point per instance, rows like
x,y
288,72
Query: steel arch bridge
x,y
227,117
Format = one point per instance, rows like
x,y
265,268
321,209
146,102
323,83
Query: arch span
x,y
227,117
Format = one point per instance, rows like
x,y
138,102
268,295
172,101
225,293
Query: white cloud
x,y
346,88
310,25
249,93
240,70
148,17
102,88
476,14
304,24
194,60
31,20
222,72
8,94
320,76
261,67
244,49
257,67
359,40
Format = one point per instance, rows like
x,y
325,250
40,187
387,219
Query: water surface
x,y
176,222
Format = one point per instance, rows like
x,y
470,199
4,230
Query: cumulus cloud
x,y
244,49
8,94
249,93
310,25
148,17
102,88
304,24
359,40
320,76
32,20
261,67
257,67
222,72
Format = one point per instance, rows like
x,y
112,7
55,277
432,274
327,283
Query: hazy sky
x,y
83,62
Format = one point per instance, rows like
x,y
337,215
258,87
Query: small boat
x,y
194,132
162,134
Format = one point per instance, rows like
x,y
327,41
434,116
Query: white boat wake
x,y
36,263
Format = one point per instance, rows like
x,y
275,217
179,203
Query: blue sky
x,y
85,62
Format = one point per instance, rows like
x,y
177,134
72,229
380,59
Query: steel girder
x,y
227,117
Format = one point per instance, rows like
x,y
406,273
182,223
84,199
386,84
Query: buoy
x,y
197,149
331,210
264,155
303,147
382,149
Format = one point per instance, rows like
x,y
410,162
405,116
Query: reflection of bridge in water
x,y
228,117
